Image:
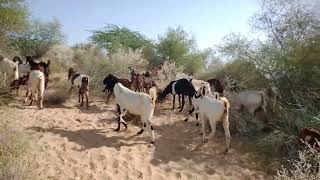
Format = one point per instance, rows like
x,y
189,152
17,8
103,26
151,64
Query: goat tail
x,y
226,104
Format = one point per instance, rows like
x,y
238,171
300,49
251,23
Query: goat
x,y
205,90
141,82
135,102
136,80
310,136
24,68
84,90
80,81
254,102
153,92
218,85
75,78
9,69
40,65
179,87
36,84
109,88
38,80
215,110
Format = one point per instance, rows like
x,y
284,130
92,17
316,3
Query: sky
x,y
207,20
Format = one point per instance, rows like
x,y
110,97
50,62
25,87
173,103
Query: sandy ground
x,y
74,143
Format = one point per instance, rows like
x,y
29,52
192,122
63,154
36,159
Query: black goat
x,y
181,87
109,84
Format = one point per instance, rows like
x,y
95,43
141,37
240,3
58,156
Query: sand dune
x,y
74,143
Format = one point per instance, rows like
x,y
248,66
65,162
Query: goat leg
x,y
109,95
70,89
203,128
140,132
182,103
87,99
190,101
118,128
190,113
79,95
81,104
174,100
142,129
197,119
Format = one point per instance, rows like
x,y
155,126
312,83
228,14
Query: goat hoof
x,y
197,124
152,142
140,132
204,140
226,151
125,125
186,119
117,130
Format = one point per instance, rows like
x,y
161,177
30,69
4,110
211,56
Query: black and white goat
x,y
181,88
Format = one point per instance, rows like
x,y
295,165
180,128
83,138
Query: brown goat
x,y
310,136
84,90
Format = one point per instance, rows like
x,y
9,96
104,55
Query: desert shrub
x,y
61,57
5,96
97,64
306,167
169,72
15,159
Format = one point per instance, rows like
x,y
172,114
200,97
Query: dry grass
x,y
307,167
5,96
15,158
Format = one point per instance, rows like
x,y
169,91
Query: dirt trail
x,y
74,143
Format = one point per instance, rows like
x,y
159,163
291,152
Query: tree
x,y
113,37
39,38
13,18
175,45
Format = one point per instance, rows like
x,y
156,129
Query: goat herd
x,y
207,98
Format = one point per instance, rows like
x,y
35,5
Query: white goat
x,y
9,69
214,110
137,103
253,101
36,84
204,90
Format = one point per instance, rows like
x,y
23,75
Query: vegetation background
x,y
288,58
